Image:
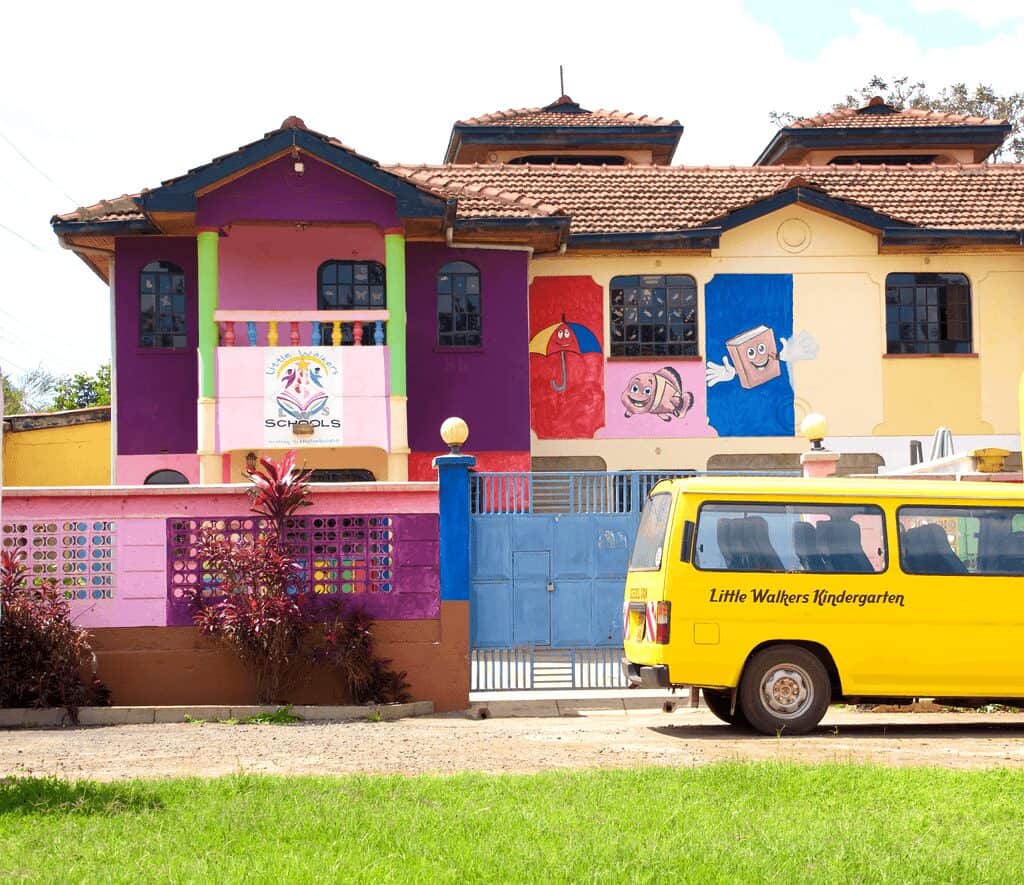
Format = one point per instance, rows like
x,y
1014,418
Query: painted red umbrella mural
x,y
563,338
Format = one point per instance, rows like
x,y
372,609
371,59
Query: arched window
x,y
166,478
928,313
162,306
458,305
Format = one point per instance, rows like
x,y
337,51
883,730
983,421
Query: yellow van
x,y
779,596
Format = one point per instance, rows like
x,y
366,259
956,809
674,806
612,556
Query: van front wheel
x,y
784,690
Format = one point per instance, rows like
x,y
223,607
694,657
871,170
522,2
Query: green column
x,y
208,336
394,263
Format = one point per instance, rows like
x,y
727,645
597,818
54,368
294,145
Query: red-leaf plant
x,y
43,654
278,490
258,605
348,649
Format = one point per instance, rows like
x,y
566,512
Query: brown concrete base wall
x,y
156,666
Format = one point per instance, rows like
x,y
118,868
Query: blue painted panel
x,y
735,304
491,541
614,536
490,614
531,601
606,612
570,613
531,532
573,541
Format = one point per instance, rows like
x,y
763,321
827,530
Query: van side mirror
x,y
688,532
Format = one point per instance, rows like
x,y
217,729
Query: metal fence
x,y
539,668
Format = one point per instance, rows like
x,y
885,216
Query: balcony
x,y
305,378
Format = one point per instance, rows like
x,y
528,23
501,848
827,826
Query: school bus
x,y
779,596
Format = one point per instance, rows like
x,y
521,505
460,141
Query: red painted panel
x,y
566,357
420,469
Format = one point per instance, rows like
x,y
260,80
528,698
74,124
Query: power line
x,y
22,237
21,154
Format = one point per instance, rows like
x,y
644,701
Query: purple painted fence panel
x,y
386,565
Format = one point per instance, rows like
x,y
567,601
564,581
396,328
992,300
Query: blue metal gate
x,y
548,560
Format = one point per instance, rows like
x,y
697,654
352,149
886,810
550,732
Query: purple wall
x,y
156,389
489,388
275,193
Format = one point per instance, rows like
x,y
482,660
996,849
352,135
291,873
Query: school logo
x,y
302,387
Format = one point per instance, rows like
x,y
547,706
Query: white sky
x,y
105,98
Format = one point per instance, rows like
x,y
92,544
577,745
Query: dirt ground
x,y
448,744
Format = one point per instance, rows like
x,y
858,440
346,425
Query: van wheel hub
x,y
786,690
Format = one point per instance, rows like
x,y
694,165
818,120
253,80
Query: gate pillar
x,y
453,499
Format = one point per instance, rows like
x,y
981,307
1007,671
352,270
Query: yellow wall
x,y
374,460
77,455
838,296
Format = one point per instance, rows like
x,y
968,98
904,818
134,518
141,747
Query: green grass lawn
x,y
734,822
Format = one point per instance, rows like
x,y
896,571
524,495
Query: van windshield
x,y
650,536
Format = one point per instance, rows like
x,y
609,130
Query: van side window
x,y
961,540
812,538
650,535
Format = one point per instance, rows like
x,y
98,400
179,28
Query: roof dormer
x,y
880,133
564,132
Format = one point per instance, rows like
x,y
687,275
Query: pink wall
x,y
264,267
139,517
132,470
646,422
241,402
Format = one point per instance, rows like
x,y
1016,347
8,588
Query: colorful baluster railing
x,y
272,333
336,333
229,334
315,334
357,333
378,333
250,333
293,333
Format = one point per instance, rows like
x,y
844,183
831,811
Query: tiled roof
x,y
564,112
481,199
867,117
637,199
123,208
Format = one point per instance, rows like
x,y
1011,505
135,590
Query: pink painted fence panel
x,y
108,547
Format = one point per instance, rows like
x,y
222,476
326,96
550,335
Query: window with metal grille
x,y
928,313
162,321
458,305
653,316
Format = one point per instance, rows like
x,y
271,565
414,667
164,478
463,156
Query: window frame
x,y
875,509
921,283
149,481
351,263
688,348
461,348
169,269
944,512
666,534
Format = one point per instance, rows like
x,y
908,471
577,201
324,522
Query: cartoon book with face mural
x,y
755,356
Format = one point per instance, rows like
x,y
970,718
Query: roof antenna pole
x,y
561,80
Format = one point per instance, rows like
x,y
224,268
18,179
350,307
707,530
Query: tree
x,y
33,392
902,93
82,390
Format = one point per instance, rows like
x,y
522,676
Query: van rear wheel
x,y
720,702
784,690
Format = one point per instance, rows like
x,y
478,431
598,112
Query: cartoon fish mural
x,y
657,393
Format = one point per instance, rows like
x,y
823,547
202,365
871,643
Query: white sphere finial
x,y
455,432
814,427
